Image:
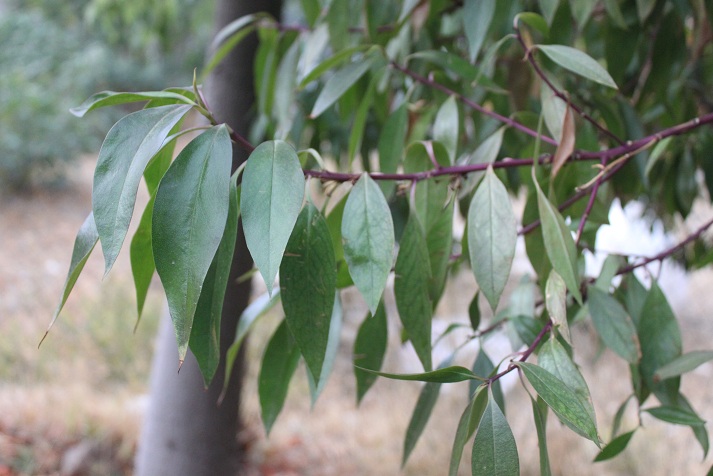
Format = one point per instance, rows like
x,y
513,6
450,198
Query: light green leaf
x,y
278,365
676,415
486,153
285,87
84,243
549,8
439,241
570,407
578,62
554,111
185,236
338,58
474,312
452,374
270,201
369,350
338,84
494,449
362,113
125,153
205,334
477,16
683,364
539,411
556,303
615,14
492,234
330,355
446,127
368,239
582,10
614,325
559,244
656,154
411,287
615,446
611,266
467,424
111,98
391,140
229,37
308,276
644,8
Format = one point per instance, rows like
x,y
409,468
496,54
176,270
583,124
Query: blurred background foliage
x,y
55,54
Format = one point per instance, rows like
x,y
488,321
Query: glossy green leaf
x,y
270,201
467,424
614,325
330,355
338,84
369,350
559,244
683,364
539,411
308,282
112,98
127,149
368,239
570,407
676,415
451,374
411,287
278,365
492,234
578,62
494,449
615,446
446,127
205,334
185,237
477,17
556,303
84,243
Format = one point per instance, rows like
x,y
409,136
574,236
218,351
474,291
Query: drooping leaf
x,y
644,8
127,149
539,411
614,325
578,62
684,363
615,446
566,142
84,243
142,261
360,117
342,80
477,17
494,449
330,355
451,374
308,277
474,312
205,334
368,238
270,201
676,415
570,407
112,98
369,350
411,288
556,303
278,365
467,424
445,127
492,234
185,236
554,110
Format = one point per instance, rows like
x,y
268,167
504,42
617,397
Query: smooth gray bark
x,y
185,431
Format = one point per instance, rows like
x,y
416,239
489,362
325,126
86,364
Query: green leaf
x,y
644,8
84,243
451,374
656,154
571,408
360,117
229,37
411,288
142,261
330,355
205,334
549,8
676,415
484,367
611,266
474,312
615,446
270,201
338,84
559,244
278,365
539,411
127,149
477,17
285,87
185,237
556,303
578,62
439,241
492,234
338,58
111,98
466,427
535,21
614,325
368,239
369,350
554,111
392,138
582,10
683,364
486,153
494,449
446,127
308,282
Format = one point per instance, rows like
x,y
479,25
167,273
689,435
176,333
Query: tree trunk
x,y
185,432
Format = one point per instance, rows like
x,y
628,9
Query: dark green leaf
x,y
644,7
111,98
614,325
578,62
391,140
338,84
683,364
368,238
411,287
615,446
278,365
676,415
474,312
142,262
466,426
127,149
477,17
483,367
184,236
539,411
330,355
452,374
369,350
362,113
270,201
446,125
486,153
494,449
491,237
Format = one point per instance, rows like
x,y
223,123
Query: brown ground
x,y
80,395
